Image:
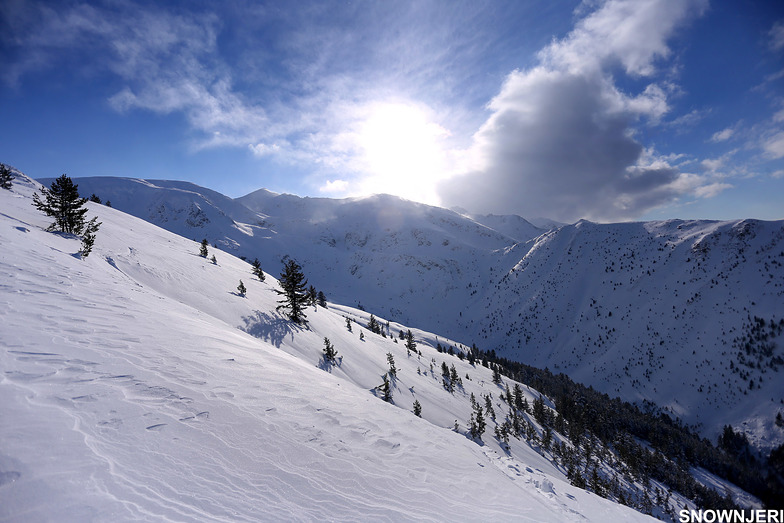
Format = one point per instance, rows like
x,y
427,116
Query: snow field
x,y
137,385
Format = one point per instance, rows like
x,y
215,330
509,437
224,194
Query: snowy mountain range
x,y
667,312
139,384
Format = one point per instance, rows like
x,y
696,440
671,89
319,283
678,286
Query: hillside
x,y
139,385
658,311
670,312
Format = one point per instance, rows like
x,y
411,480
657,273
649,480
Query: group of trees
x,y
62,202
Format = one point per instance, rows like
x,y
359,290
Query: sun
x,y
402,151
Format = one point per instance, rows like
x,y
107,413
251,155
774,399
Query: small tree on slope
x,y
294,291
5,177
62,202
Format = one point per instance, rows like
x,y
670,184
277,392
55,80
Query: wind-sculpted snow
x,y
137,385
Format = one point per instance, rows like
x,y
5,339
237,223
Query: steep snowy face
x,y
663,311
138,384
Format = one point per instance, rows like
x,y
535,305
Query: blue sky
x,y
607,110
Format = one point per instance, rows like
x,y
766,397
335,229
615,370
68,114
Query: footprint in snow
x,y
159,426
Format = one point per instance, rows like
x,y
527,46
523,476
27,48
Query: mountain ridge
x,y
597,301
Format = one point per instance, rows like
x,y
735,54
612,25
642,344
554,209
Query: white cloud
x,y
335,187
263,149
774,146
776,35
560,141
722,136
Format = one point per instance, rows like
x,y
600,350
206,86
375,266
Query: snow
x,y
137,385
645,311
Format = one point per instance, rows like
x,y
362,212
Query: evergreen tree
x,y
203,249
361,336
5,177
476,423
417,408
241,288
295,296
257,272
410,344
312,295
94,198
214,260
330,353
497,375
348,324
321,299
391,361
373,325
62,202
386,390
88,238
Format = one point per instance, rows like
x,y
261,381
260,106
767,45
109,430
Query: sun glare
x,y
402,152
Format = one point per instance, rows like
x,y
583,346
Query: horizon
x,y
609,111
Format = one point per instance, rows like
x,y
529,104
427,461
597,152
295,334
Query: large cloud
x,y
560,141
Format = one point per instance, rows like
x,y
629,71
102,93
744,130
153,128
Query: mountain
x,y
674,312
138,384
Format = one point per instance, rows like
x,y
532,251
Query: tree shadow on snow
x,y
272,329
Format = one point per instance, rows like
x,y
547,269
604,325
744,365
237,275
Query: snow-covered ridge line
x,y
680,292
133,390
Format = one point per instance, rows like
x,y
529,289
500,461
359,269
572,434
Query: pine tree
x,y
391,361
257,272
417,408
203,249
321,299
410,344
348,324
330,353
295,295
386,389
88,238
241,289
312,295
361,336
94,198
5,177
62,202
214,260
373,325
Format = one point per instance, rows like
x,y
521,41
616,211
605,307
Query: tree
x,y
321,299
330,353
386,389
241,288
295,295
88,238
5,176
417,408
203,249
391,361
312,295
214,260
62,202
94,198
410,344
373,325
257,272
348,324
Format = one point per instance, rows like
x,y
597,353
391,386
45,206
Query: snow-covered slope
x,y
659,311
138,385
662,311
